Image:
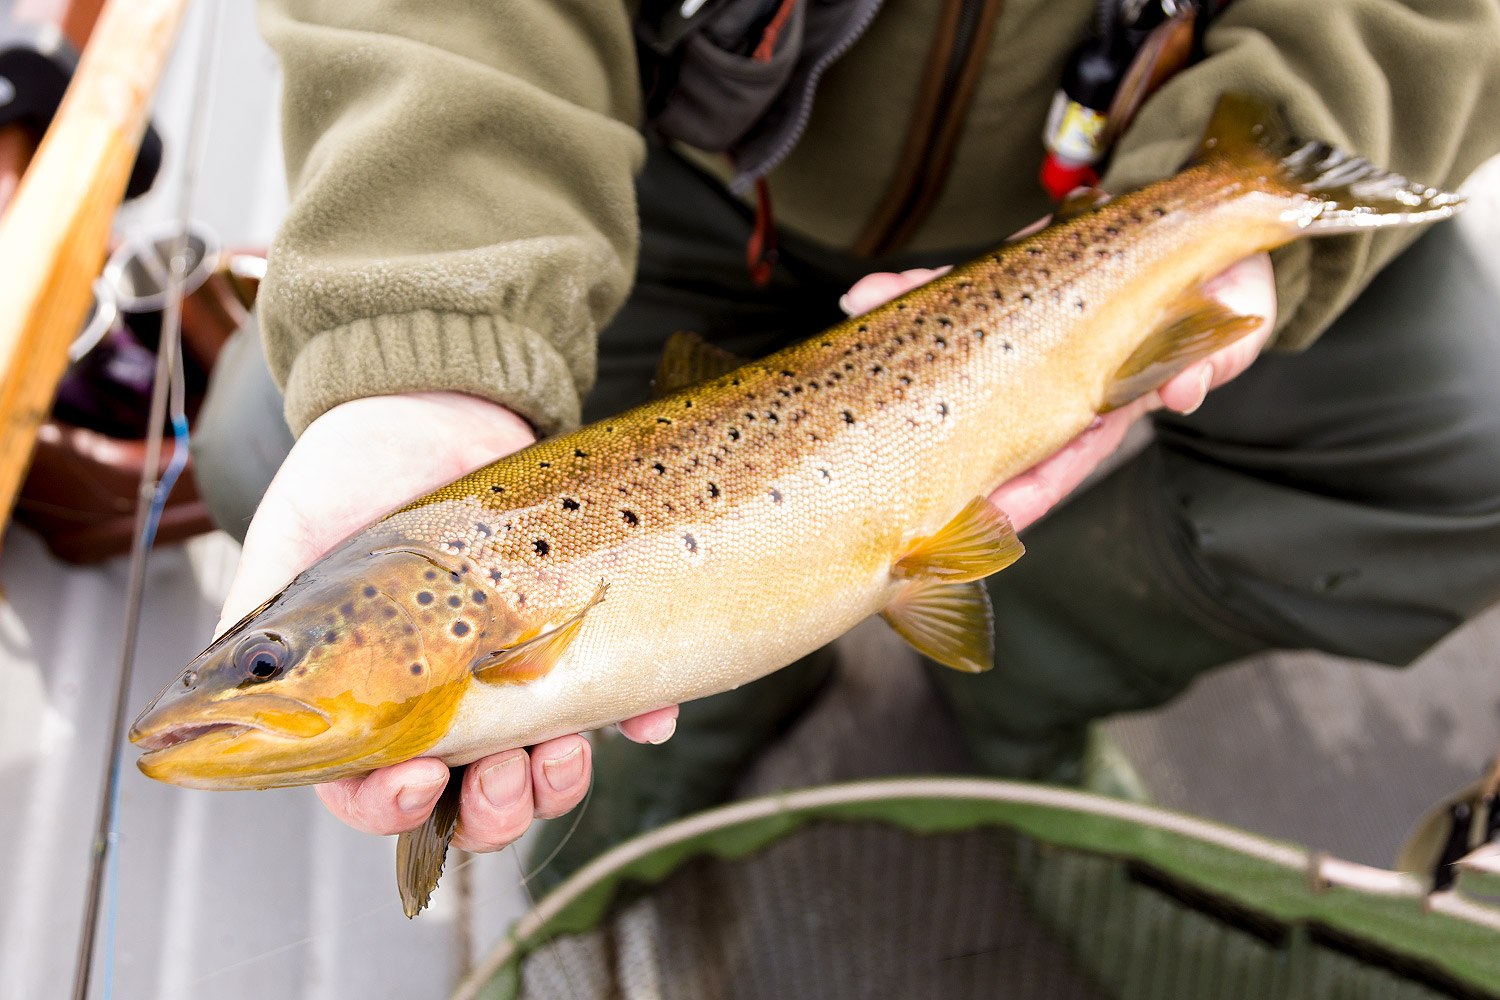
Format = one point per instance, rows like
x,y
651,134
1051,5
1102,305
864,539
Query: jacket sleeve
x,y
463,213
1413,86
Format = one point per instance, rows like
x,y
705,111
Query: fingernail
x,y
504,782
564,772
664,733
418,797
1205,378
846,305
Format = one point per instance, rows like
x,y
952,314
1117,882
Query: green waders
x,y
1345,499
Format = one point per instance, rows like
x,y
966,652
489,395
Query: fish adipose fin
x,y
1336,191
688,359
976,543
948,622
1198,328
535,657
420,853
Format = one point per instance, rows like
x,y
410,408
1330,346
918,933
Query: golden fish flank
x,y
719,533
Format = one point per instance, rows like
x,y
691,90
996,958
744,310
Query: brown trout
x,y
722,531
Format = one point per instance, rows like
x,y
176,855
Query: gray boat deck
x,y
264,895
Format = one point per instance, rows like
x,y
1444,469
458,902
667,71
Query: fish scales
x,y
709,537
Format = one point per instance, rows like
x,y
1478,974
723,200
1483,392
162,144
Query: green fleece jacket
x,y
461,170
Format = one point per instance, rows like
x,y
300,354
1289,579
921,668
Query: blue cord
x,y
169,476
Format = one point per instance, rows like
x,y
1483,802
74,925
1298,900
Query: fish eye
x,y
262,658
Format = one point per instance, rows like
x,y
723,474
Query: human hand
x,y
352,465
1247,288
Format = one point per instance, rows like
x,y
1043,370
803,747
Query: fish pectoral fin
x,y
688,359
1080,201
1199,327
948,622
535,657
976,543
420,853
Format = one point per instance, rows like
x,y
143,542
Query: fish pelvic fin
x,y
1197,328
421,853
976,543
947,622
1334,191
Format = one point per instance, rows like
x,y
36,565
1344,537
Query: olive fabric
x,y
460,171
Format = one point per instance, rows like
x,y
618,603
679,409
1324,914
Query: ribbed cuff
x,y
429,351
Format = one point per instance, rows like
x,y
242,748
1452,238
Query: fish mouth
x,y
174,725
178,735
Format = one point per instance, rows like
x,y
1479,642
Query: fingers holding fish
x,y
388,801
1248,289
652,727
878,288
497,804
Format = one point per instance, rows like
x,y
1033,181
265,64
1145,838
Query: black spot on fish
x,y
713,491
580,453
416,669
734,435
1026,297
944,321
483,530
347,610
497,489
848,417
1158,211
457,544
1034,251
544,465
687,404
389,612
905,379
1005,345
664,420
1102,254
776,496
940,341
430,574
454,601
460,628
569,503
942,409
479,597
541,546
978,334
1080,305
661,470
691,542
630,517
827,476
330,636
424,597
496,576
370,591
1112,230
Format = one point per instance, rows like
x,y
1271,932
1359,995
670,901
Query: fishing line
x,y
168,395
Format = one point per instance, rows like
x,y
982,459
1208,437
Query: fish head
x,y
360,662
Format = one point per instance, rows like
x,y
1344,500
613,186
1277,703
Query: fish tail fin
x,y
1333,191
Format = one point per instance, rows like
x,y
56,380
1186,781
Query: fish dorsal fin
x,y
688,359
1200,326
1080,201
976,543
420,853
534,657
947,622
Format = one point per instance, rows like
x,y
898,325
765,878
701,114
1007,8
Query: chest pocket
x,y
738,76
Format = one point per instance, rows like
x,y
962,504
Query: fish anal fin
x,y
1198,328
947,622
688,359
534,657
1080,201
976,543
421,853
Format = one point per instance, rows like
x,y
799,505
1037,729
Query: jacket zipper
x,y
933,133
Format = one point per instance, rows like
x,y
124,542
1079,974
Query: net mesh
x,y
865,909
